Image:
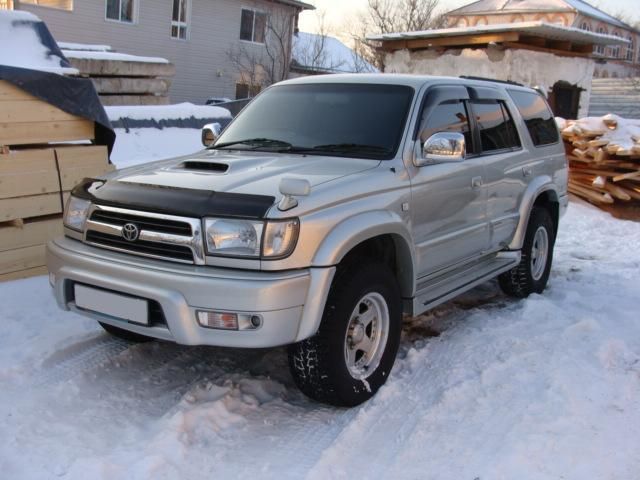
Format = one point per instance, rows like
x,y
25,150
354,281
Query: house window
x,y
600,48
615,51
585,26
59,4
121,10
244,90
179,19
253,26
629,51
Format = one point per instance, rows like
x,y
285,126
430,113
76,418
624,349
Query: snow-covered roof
x,y
515,6
103,52
539,29
27,43
322,53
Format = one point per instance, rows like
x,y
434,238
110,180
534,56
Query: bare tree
x,y
388,16
260,65
312,53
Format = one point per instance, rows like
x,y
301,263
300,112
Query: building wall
x,y
611,65
534,69
561,18
203,68
617,62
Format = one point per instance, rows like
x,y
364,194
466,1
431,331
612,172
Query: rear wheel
x,y
125,334
532,274
352,354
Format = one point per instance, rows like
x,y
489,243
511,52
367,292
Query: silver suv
x,y
327,209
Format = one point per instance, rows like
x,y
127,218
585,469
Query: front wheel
x,y
532,274
352,354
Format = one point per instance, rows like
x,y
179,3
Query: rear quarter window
x,y
537,117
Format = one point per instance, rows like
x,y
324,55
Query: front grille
x,y
144,223
166,237
165,250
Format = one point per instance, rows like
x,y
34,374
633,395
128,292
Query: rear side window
x,y
537,116
497,131
448,117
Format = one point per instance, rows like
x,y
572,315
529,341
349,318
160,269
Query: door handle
x,y
476,182
526,171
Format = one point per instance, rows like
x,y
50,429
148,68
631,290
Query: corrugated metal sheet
x,y
615,95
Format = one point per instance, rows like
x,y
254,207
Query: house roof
x,y
325,54
516,6
538,29
296,3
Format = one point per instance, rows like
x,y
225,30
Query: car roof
x,y
415,81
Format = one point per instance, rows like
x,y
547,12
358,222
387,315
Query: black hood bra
x,y
182,202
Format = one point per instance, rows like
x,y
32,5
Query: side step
x,y
433,291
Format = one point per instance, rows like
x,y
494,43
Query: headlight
x,y
280,238
244,238
233,237
75,213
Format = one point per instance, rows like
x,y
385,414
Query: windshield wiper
x,y
351,148
256,143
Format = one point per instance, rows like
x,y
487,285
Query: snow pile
x,y
327,54
88,47
141,145
484,387
109,55
23,45
616,130
166,112
147,133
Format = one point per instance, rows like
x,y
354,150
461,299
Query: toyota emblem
x,y
130,232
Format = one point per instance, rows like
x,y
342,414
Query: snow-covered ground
x,y
485,387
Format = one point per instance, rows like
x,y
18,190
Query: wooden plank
x,y
22,258
128,86
45,132
78,163
35,232
8,91
119,68
452,41
108,100
32,111
28,172
29,272
32,206
560,53
627,176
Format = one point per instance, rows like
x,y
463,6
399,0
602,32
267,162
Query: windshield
x,y
350,120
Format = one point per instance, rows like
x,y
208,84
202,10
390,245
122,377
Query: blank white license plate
x,y
119,306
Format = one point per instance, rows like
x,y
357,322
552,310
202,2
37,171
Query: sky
x,y
339,13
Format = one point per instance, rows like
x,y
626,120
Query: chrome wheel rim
x,y
539,253
366,336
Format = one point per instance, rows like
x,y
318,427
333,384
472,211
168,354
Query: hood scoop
x,y
201,166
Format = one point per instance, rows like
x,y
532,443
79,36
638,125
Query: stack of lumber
x,y
604,158
36,175
120,78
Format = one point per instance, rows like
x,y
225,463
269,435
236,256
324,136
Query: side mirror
x,y
210,134
442,147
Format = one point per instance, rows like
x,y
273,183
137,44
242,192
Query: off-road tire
x,y
318,364
125,334
519,281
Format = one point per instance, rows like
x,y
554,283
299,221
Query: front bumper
x,y
290,303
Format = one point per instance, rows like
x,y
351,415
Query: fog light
x,y
228,321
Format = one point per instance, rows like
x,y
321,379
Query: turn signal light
x,y
228,321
